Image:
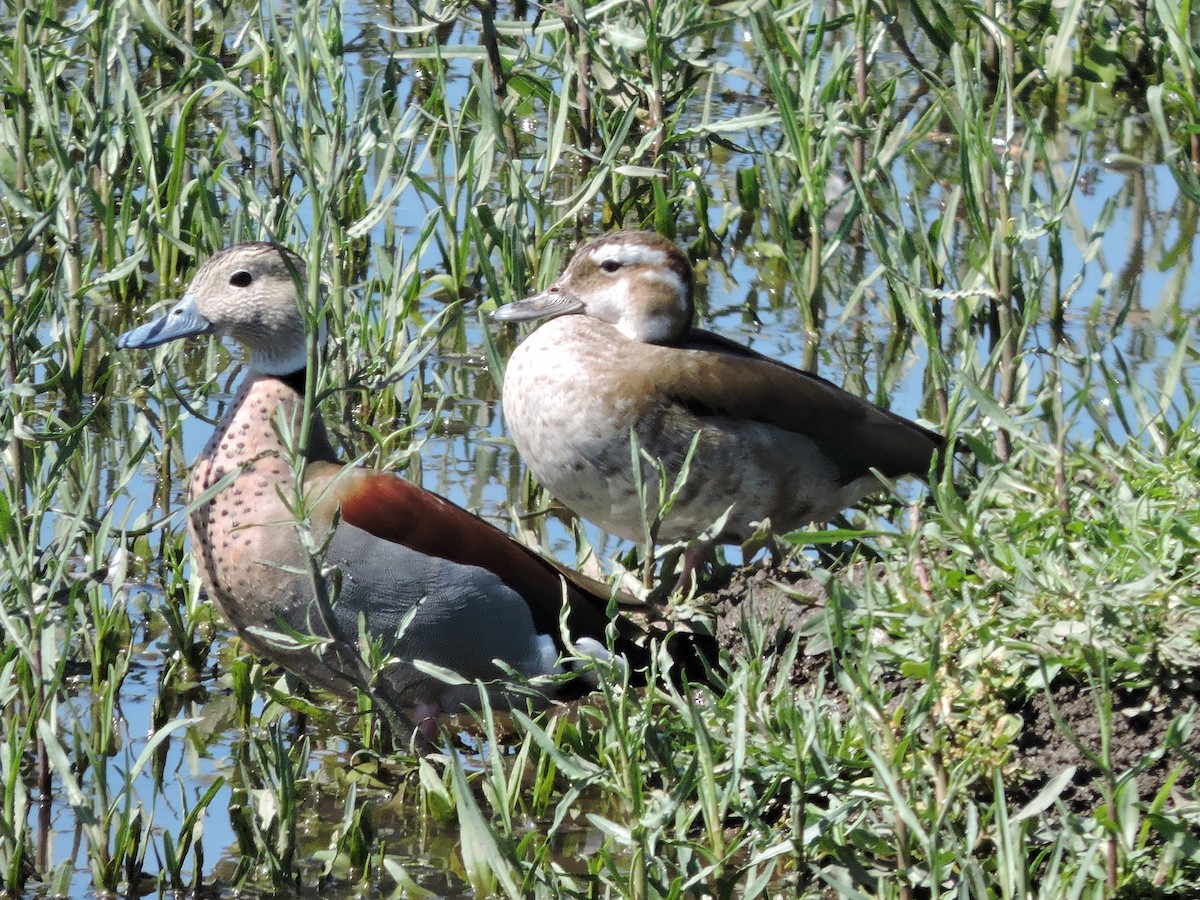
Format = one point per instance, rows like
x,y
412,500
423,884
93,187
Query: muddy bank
x,y
1060,728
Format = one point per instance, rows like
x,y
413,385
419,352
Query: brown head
x,y
637,281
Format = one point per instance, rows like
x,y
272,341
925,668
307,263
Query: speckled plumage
x,y
478,596
621,355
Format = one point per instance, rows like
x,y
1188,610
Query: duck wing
x,y
433,551
711,375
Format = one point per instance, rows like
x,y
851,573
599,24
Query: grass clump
x,y
983,215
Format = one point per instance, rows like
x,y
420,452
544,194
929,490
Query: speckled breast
x,y
240,534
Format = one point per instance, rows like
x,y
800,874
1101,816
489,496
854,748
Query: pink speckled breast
x,y
228,529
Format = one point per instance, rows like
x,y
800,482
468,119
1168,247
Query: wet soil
x,y
1064,728
1061,728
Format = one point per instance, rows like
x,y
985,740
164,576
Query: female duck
x,y
621,357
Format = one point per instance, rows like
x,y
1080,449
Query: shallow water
x,y
1133,293
466,456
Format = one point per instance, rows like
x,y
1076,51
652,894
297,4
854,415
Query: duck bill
x,y
546,305
181,321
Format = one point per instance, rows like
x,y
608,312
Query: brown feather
x,y
388,507
856,434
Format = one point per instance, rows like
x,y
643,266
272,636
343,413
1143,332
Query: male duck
x,y
774,442
431,581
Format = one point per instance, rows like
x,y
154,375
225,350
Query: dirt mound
x,y
1064,727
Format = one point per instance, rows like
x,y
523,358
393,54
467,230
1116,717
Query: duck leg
x,y
696,556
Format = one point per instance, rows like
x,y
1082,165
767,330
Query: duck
x,y
619,357
290,541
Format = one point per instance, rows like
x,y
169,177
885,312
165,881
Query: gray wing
x,y
465,617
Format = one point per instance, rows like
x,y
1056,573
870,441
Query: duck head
x,y
637,281
249,292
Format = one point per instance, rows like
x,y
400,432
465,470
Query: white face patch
x,y
609,301
667,276
647,305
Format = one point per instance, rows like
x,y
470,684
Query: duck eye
x,y
610,265
241,278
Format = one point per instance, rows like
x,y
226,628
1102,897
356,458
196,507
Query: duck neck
x,y
297,381
318,448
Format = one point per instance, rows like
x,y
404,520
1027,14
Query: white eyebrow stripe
x,y
630,254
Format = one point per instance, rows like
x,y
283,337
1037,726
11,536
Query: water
x,y
1133,295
